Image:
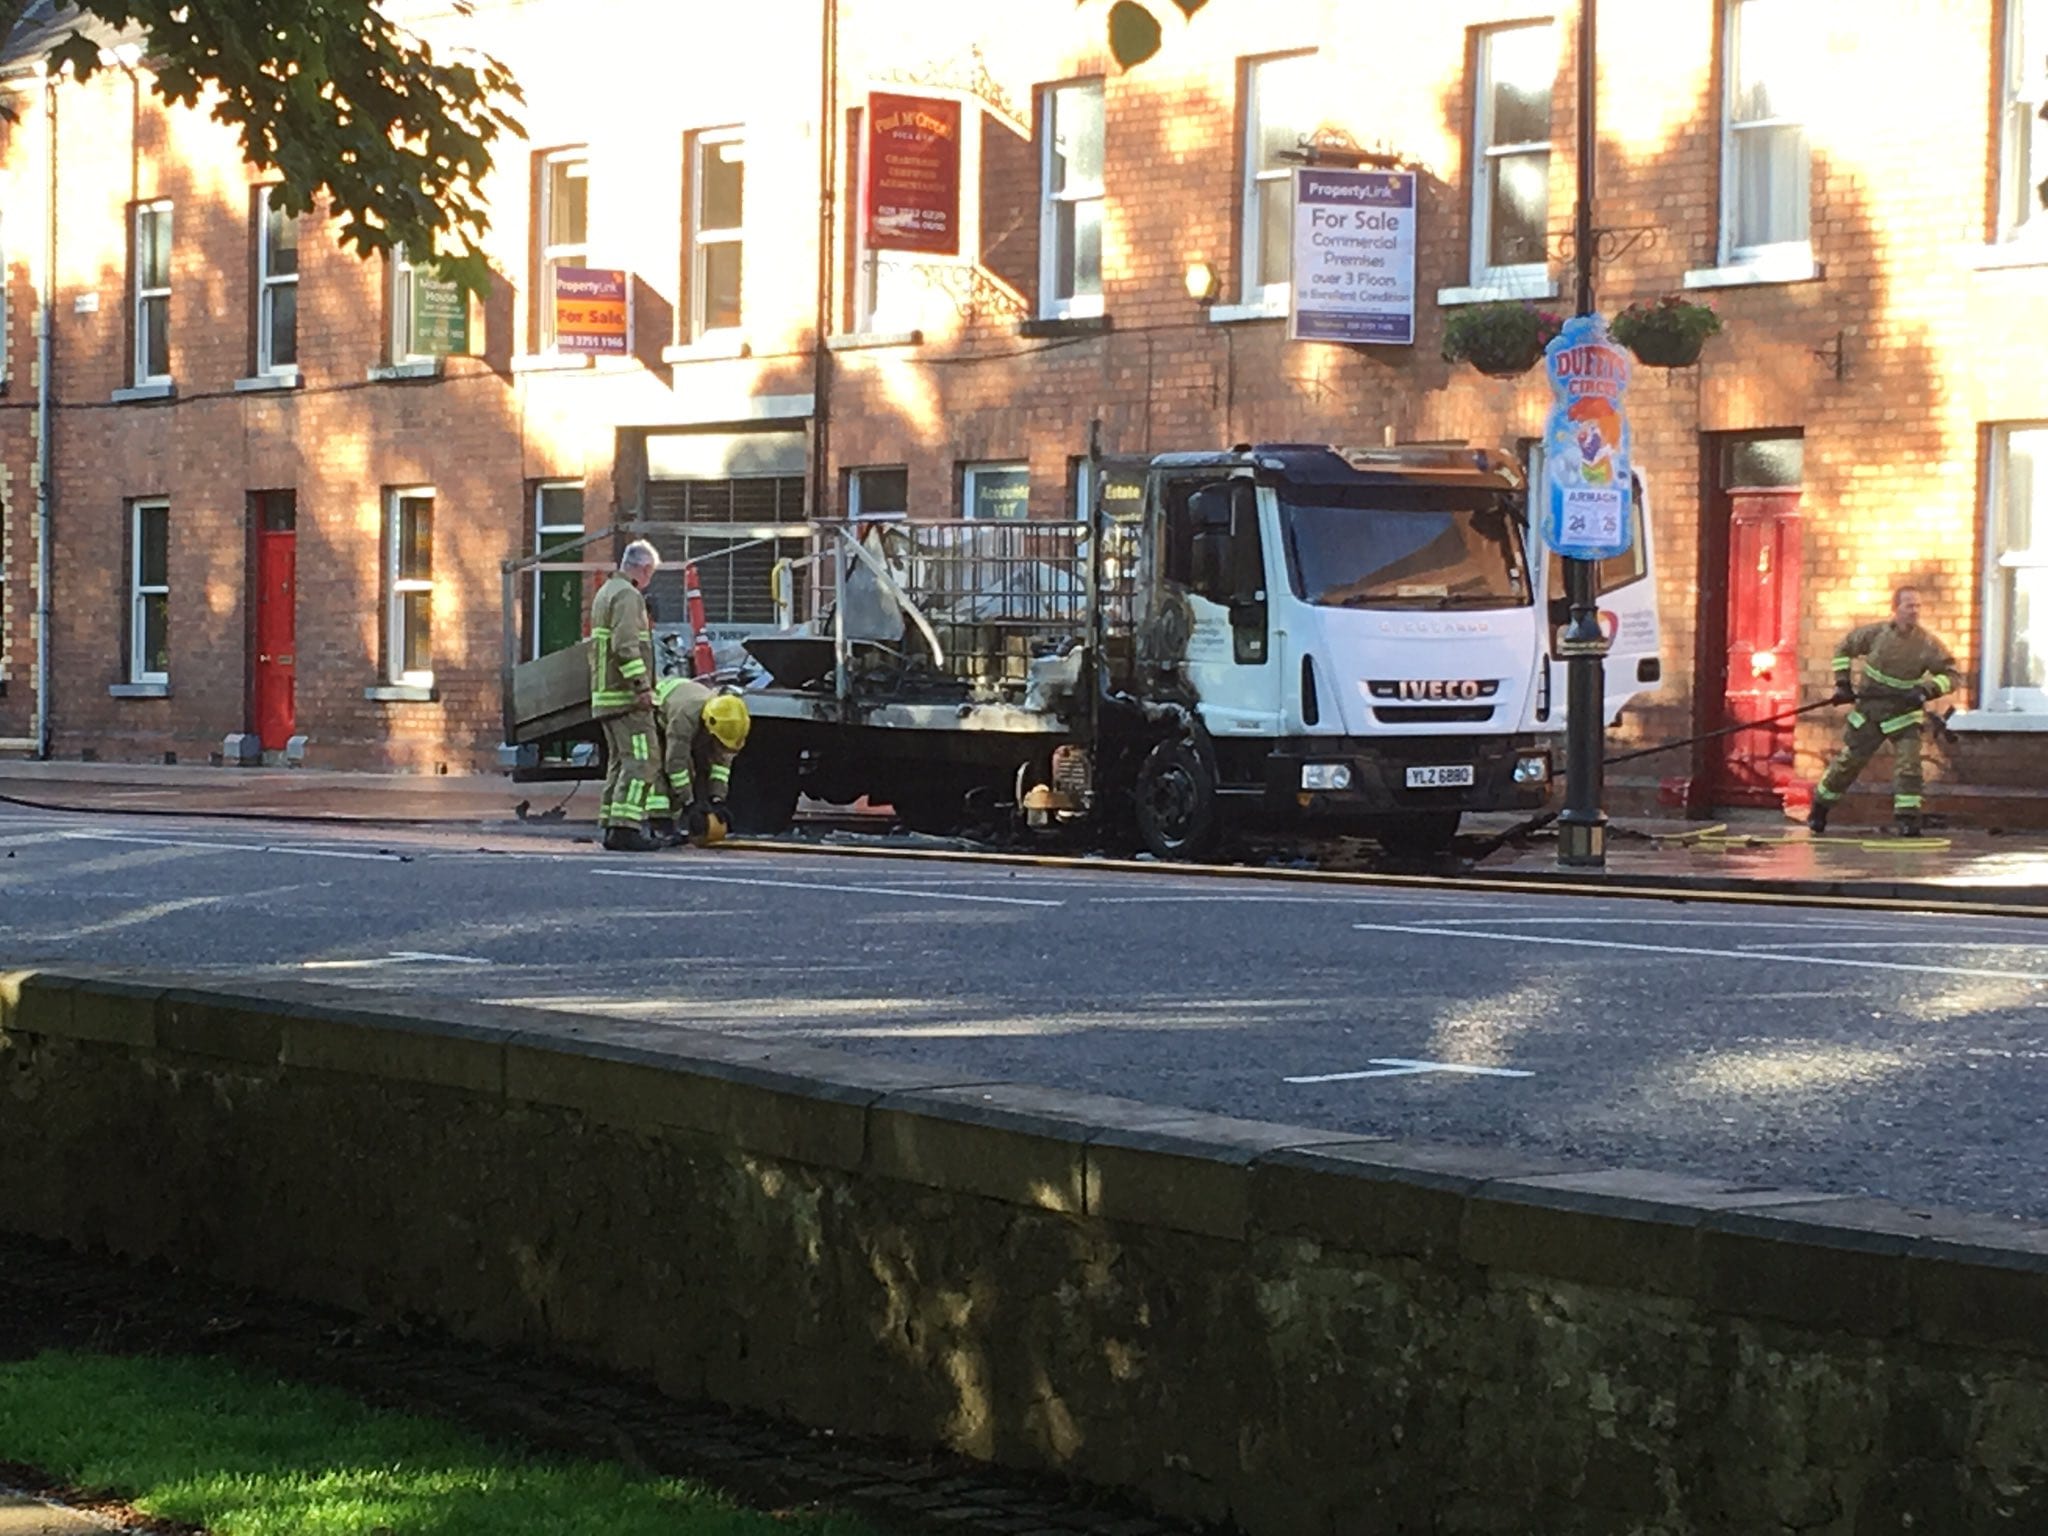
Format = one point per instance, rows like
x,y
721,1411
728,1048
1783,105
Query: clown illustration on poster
x,y
1587,462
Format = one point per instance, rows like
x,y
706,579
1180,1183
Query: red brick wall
x,y
1933,349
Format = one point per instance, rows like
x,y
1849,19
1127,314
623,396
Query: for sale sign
x,y
590,311
1354,256
1588,444
913,174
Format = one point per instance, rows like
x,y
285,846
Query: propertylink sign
x,y
440,316
1354,256
590,311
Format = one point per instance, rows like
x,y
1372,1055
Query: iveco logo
x,y
1434,688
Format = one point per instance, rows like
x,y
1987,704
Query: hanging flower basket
x,y
1501,338
1668,333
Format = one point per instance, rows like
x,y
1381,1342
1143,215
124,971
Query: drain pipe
x,y
46,314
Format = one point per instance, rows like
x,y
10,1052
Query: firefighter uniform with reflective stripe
x,y
686,744
622,668
1902,669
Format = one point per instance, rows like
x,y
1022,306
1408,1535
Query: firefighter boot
x,y
628,839
664,832
1909,823
1817,817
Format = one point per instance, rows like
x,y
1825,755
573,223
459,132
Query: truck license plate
x,y
1452,776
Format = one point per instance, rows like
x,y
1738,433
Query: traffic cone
x,y
702,662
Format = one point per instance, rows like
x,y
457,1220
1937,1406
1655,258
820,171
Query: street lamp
x,y
1582,825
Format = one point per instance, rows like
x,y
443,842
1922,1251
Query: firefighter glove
x,y
1844,694
700,820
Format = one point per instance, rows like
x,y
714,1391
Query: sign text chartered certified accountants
x,y
1354,256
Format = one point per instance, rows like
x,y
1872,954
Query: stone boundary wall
x,y
1299,1333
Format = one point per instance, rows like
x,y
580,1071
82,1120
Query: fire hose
x,y
1937,723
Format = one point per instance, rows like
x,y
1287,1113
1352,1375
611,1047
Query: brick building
x,y
1851,187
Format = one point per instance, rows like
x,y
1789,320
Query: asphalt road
x,y
1895,1054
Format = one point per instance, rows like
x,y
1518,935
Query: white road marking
x,y
817,885
1251,896
210,847
396,957
1398,1066
1671,922
1712,954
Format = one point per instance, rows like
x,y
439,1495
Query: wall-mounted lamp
x,y
1201,281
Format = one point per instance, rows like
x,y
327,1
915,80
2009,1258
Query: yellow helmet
x,y
726,718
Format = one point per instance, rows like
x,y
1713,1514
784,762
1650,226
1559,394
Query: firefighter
x,y
622,700
700,730
1903,667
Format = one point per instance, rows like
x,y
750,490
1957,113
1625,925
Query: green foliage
x,y
338,100
1672,316
1135,32
196,1441
1502,336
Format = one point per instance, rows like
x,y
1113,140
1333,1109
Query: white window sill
x,y
283,378
720,344
1500,288
2030,250
859,341
156,389
1748,272
551,362
402,693
1234,314
1997,722
410,368
160,690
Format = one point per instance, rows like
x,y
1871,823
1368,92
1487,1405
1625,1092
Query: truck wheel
x,y
1418,834
1175,801
762,794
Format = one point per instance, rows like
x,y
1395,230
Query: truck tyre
x,y
762,795
1175,802
1417,834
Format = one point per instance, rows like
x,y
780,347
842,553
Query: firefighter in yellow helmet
x,y
1904,666
702,731
622,700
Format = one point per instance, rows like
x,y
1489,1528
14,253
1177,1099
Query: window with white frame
x,y
2015,649
718,171
1001,490
149,587
1070,215
878,491
401,338
277,285
409,587
1516,71
564,224
557,536
151,264
1766,164
2023,123
1278,118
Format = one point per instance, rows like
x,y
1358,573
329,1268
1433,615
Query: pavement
x,y
24,1516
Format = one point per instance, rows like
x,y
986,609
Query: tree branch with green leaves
x,y
336,99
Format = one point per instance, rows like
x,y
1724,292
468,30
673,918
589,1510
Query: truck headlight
x,y
1325,775
1531,770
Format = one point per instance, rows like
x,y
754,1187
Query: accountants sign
x,y
1354,256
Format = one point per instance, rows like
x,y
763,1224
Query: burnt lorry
x,y
1273,637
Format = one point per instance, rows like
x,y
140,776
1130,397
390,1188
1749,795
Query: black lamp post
x,y
1582,825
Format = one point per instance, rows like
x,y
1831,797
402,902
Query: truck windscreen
x,y
1354,550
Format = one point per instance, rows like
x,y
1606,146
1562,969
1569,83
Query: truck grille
x,y
1432,714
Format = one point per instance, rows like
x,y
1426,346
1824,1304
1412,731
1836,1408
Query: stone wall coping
x,y
1851,1264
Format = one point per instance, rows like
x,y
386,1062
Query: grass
x,y
200,1442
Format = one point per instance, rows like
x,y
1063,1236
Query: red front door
x,y
276,645
1763,645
